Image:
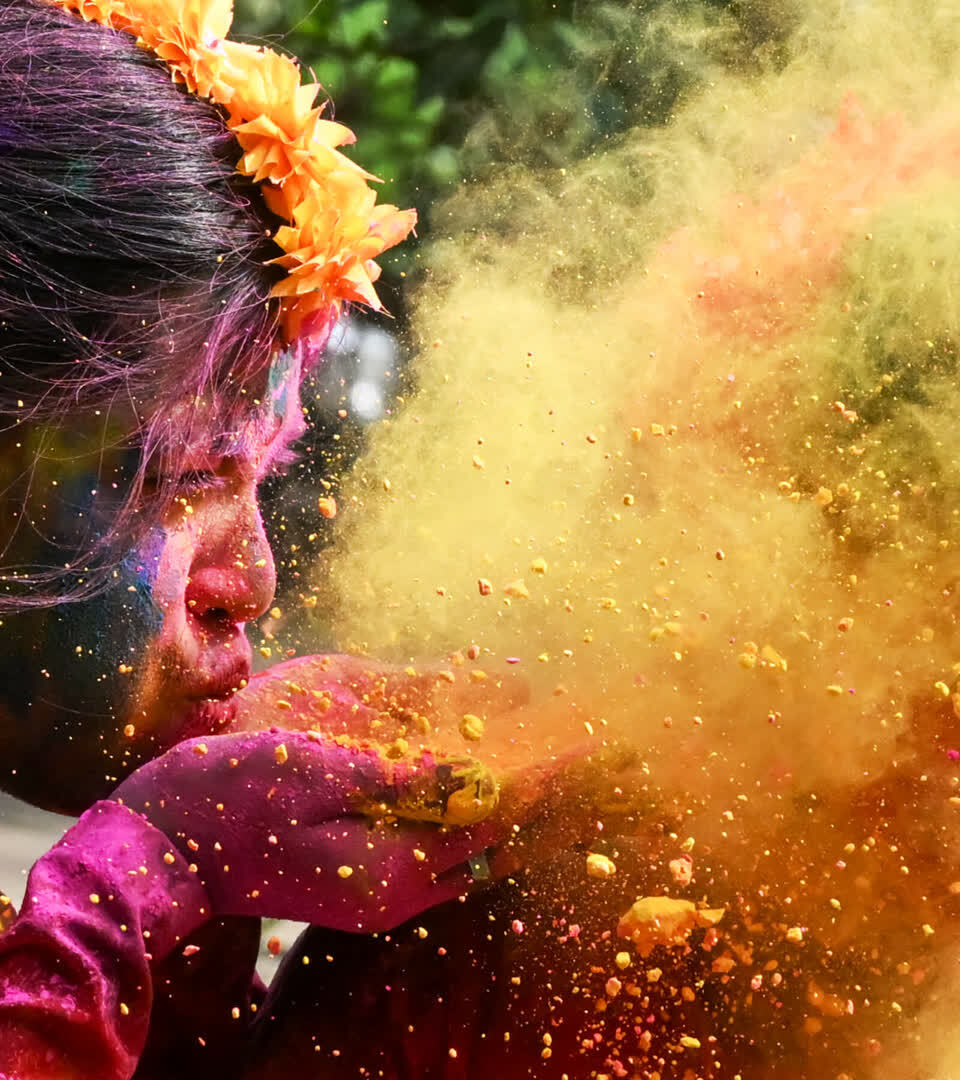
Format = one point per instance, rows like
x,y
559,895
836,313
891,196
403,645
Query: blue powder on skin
x,y
279,382
111,628
40,662
138,571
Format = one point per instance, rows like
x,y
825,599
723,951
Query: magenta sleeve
x,y
75,983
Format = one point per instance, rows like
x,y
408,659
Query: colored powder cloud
x,y
688,407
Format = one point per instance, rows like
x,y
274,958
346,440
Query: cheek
x,y
117,627
80,662
139,576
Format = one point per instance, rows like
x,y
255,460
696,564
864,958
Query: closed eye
x,y
188,484
193,481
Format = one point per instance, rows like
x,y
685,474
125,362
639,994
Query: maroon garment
x,y
514,984
240,825
470,999
204,1004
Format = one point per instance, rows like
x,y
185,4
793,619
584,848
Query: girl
x,y
177,234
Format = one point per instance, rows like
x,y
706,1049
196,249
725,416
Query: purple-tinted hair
x,y
131,262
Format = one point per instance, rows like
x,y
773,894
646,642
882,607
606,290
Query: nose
x,y
233,577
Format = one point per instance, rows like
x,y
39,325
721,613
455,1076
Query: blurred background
x,y
444,94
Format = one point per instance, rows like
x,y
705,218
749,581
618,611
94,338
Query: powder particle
x,y
599,866
682,869
471,727
663,920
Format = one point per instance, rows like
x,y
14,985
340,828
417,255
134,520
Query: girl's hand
x,y
556,769
300,826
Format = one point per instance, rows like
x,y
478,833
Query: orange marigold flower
x,y
106,12
335,229
261,79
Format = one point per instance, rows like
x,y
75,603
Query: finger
x,y
272,776
346,875
369,699
303,694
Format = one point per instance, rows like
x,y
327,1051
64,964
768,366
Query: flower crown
x,y
334,228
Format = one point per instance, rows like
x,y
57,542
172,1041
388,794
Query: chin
x,y
204,716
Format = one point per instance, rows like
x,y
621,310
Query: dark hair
x,y
131,259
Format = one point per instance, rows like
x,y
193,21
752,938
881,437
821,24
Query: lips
x,y
220,670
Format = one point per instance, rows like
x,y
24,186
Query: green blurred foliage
x,y
439,93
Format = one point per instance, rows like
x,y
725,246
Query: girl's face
x,y
89,690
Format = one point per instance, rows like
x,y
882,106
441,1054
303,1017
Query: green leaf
x,y
443,165
396,76
509,57
364,24
332,74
